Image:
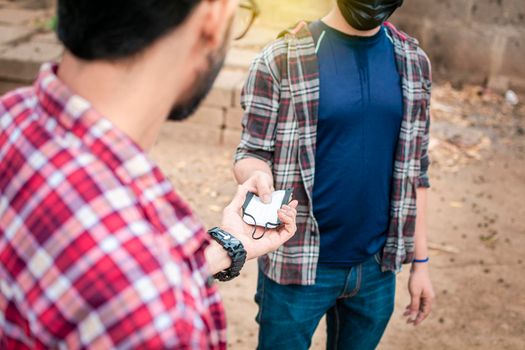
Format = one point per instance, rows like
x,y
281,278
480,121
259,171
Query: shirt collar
x,y
56,99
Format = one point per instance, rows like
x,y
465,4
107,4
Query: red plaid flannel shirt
x,y
281,100
96,249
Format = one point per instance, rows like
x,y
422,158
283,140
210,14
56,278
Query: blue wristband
x,y
421,260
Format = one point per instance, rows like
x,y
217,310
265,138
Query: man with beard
x,y
343,101
97,250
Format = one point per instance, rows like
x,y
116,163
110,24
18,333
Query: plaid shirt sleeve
x,y
426,69
260,101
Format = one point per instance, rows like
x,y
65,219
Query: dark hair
x,y
113,29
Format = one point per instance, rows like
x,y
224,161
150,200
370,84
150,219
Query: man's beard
x,y
203,84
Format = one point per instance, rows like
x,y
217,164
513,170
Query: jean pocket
x,y
377,257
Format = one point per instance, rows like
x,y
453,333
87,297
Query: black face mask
x,y
367,14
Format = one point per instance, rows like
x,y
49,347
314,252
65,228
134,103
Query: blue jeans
x,y
357,301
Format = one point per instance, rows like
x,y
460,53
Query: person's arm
x,y
260,101
419,283
421,250
255,173
253,159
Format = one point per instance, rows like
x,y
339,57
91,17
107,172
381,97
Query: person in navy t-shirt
x,y
363,114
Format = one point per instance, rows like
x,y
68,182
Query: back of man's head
x,y
115,29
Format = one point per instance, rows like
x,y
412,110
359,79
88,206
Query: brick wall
x,y
476,41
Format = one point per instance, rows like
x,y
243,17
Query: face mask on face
x,y
367,14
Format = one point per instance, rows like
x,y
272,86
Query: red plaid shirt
x,y
96,249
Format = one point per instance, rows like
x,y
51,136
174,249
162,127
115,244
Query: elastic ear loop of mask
x,y
266,226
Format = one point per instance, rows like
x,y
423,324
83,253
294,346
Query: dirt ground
x,y
476,223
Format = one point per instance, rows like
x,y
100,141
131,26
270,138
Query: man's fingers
x,y
414,307
262,185
264,191
250,186
287,216
426,307
293,204
289,211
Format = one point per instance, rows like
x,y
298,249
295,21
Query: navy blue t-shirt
x,y
360,114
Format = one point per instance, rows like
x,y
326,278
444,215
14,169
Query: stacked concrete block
x,y
470,41
21,63
12,34
221,110
24,44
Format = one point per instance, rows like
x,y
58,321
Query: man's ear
x,y
218,15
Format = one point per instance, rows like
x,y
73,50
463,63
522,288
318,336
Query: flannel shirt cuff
x,y
257,154
423,181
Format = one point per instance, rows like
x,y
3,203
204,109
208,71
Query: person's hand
x,y
421,294
262,185
233,223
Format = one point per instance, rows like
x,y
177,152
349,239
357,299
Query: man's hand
x,y
421,294
233,223
262,184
